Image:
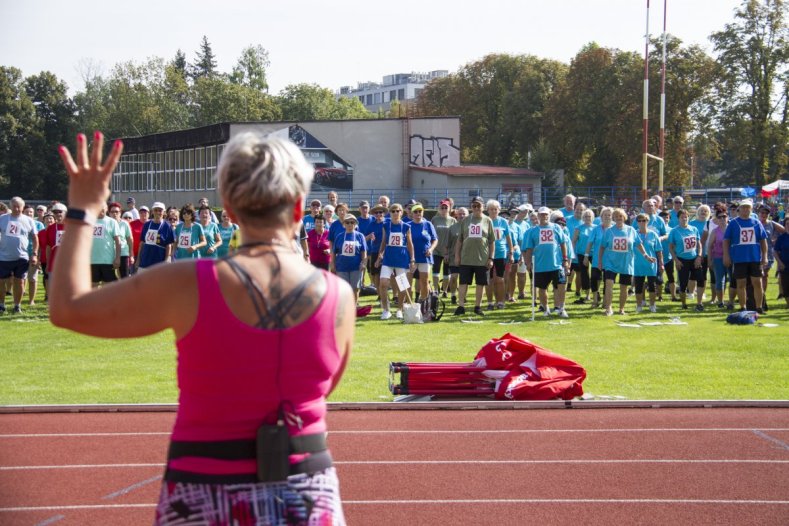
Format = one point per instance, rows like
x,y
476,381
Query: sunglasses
x,y
396,211
476,205
641,220
380,212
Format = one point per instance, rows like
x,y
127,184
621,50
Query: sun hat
x,y
747,202
158,204
144,208
544,210
417,207
349,217
58,207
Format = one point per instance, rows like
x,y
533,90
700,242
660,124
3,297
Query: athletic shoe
x,y
563,314
444,294
699,307
639,308
729,306
653,308
2,307
609,312
478,311
577,293
758,310
691,295
17,309
720,305
399,314
454,300
622,312
521,296
547,313
685,306
490,306
460,311
540,309
579,301
385,315
631,292
499,305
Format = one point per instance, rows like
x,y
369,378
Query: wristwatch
x,y
78,214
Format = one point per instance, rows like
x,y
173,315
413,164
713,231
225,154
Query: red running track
x,y
591,466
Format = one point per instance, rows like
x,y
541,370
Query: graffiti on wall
x,y
332,172
434,152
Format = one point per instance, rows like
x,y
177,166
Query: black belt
x,y
315,444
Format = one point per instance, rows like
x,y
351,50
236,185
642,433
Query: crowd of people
x,y
655,252
661,250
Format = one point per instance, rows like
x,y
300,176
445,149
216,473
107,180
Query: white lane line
x,y
133,487
432,462
437,431
51,520
761,434
440,502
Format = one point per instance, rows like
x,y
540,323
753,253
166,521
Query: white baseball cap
x,y
544,210
158,204
747,202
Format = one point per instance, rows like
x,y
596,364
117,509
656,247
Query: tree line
x,y
726,116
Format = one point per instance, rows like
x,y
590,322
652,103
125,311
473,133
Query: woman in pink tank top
x,y
262,338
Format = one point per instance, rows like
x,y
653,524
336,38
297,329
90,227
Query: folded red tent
x,y
508,368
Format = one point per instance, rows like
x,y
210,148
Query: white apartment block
x,y
399,86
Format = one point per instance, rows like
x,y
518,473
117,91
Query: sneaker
x,y
385,315
729,306
490,306
699,307
2,307
521,296
478,311
622,312
17,309
685,306
758,310
631,292
563,314
653,308
399,314
639,308
460,311
444,294
691,295
540,309
720,305
577,293
547,313
579,301
454,300
499,305
609,312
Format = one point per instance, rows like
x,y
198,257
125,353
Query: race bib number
x,y
475,231
499,233
98,231
14,229
689,243
185,240
150,237
58,237
747,236
619,244
396,239
547,237
349,248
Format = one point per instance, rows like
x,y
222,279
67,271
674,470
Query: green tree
x,y
251,68
205,63
219,100
753,53
308,102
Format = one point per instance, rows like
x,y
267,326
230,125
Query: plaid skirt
x,y
303,499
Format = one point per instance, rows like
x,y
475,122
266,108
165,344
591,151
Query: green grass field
x,y
705,359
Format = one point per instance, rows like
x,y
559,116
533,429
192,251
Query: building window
x,y
144,176
168,171
393,94
361,99
132,172
156,180
401,94
199,168
369,100
189,169
179,170
210,167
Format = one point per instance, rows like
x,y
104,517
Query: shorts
x,y
454,270
478,273
353,277
743,270
386,272
371,268
784,282
423,268
543,279
624,279
17,268
102,273
437,260
32,272
651,283
498,267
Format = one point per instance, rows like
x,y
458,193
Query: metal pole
x,y
644,159
663,106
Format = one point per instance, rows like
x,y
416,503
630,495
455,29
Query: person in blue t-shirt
x,y
644,269
395,257
511,273
337,225
375,232
745,247
548,244
580,240
669,285
592,253
573,221
684,243
502,254
425,239
349,254
616,256
309,218
677,203
156,239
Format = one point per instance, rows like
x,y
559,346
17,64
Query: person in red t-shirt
x,y
54,234
49,219
136,228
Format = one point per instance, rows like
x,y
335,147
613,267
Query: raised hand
x,y
89,178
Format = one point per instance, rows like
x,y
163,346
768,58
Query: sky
x,y
335,43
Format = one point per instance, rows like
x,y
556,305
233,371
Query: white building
x,y
399,86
